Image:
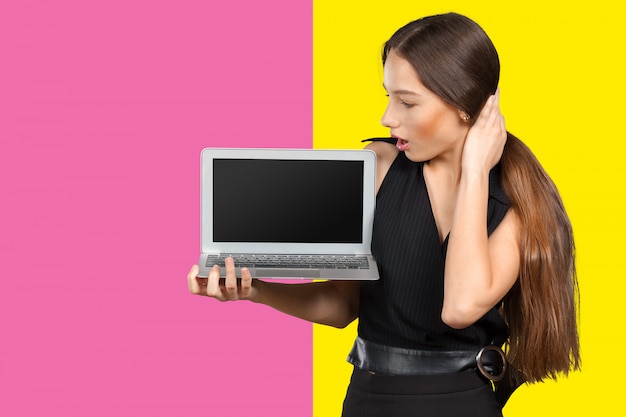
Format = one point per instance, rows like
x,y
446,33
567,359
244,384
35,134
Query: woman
x,y
474,247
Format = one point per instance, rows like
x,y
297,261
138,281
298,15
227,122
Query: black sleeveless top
x,y
403,308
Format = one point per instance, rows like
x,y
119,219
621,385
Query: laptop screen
x,y
293,201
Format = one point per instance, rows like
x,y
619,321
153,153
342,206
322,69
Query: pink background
x,y
104,108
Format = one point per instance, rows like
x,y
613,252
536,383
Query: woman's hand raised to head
x,y
224,289
485,140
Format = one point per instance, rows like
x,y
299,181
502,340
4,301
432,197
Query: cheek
x,y
430,125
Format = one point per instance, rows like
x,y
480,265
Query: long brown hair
x,y
456,60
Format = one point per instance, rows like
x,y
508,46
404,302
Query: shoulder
x,y
386,153
509,228
383,149
505,250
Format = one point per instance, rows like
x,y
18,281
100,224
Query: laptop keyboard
x,y
293,261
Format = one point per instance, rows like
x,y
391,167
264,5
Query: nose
x,y
388,119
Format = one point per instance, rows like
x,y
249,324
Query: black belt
x,y
489,361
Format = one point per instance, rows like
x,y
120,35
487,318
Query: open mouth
x,y
402,144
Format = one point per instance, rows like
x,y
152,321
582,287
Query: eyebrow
x,y
404,92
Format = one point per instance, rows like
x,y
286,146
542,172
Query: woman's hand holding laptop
x,y
230,288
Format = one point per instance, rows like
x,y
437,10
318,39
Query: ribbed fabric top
x,y
403,308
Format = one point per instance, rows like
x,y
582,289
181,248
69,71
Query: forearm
x,y
468,268
328,303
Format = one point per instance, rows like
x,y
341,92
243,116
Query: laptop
x,y
288,213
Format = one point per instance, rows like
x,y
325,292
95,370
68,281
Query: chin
x,y
416,156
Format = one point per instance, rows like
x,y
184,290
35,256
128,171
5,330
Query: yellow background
x,y
562,88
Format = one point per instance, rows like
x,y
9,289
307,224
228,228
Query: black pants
x,y
464,394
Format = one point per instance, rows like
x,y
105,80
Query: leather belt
x,y
490,361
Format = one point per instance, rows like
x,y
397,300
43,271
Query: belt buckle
x,y
481,366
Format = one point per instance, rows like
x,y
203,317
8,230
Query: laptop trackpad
x,y
286,273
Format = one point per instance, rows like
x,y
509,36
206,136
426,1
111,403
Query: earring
x,y
465,117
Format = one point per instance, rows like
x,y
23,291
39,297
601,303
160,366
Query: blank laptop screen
x,y
296,201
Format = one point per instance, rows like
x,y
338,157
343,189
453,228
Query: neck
x,y
446,166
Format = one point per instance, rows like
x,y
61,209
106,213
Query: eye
x,y
404,103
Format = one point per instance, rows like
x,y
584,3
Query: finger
x,y
230,284
213,284
192,282
246,283
501,119
496,101
485,112
494,115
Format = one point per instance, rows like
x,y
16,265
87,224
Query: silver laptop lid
x,y
288,201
